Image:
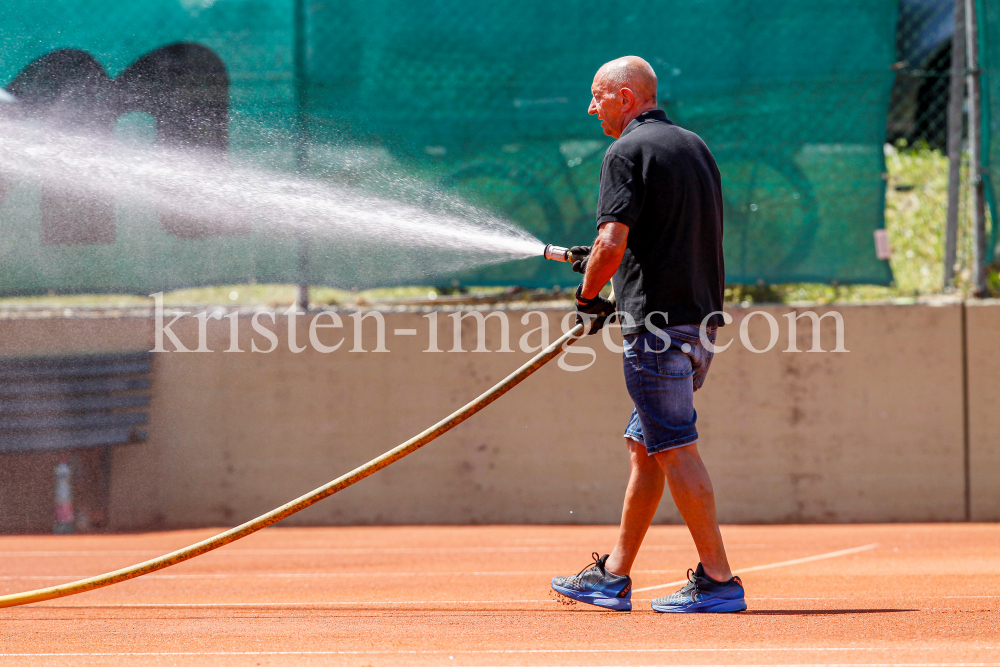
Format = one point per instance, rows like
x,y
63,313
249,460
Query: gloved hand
x,y
596,311
580,265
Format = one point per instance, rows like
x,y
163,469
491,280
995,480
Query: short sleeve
x,y
622,191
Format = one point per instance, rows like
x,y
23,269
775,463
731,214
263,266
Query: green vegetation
x,y
915,215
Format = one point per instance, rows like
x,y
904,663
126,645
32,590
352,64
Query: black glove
x,y
580,265
596,311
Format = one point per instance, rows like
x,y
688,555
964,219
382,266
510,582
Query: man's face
x,y
608,105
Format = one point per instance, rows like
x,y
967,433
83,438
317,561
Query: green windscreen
x,y
487,101
988,14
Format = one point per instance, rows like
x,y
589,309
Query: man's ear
x,y
628,98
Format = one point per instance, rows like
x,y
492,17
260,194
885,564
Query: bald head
x,y
623,89
630,72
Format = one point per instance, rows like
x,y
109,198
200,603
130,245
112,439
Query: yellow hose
x,y
305,501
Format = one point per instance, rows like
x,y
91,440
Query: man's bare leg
x,y
645,488
692,491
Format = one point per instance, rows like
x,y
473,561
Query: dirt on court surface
x,y
901,594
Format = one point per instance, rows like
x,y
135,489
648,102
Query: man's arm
x,y
606,255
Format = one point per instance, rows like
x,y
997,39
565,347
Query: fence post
x,y
956,97
301,75
975,151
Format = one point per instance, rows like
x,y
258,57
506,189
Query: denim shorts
x,y
661,379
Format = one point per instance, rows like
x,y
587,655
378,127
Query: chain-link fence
x,y
929,102
484,100
917,144
918,107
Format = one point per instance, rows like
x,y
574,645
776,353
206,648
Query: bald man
x,y
659,219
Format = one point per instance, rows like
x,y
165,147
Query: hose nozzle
x,y
560,254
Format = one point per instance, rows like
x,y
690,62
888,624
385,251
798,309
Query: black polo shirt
x,y
662,181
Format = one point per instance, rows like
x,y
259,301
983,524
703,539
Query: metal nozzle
x,y
560,254
557,253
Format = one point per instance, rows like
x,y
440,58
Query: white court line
x,y
432,602
344,603
453,652
701,664
796,561
871,597
529,651
784,563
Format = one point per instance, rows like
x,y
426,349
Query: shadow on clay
x,y
820,612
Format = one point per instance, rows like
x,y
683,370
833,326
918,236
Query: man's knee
x,y
684,463
640,457
679,457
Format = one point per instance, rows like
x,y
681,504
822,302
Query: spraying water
x,y
372,238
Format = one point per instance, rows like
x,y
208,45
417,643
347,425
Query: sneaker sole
x,y
704,607
615,604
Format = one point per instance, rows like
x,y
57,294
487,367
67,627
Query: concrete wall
x,y
876,434
871,435
983,327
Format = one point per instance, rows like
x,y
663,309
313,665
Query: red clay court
x,y
901,594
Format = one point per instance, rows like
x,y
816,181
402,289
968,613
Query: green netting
x,y
488,100
988,14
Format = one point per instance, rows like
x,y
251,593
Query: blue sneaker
x,y
703,594
595,585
